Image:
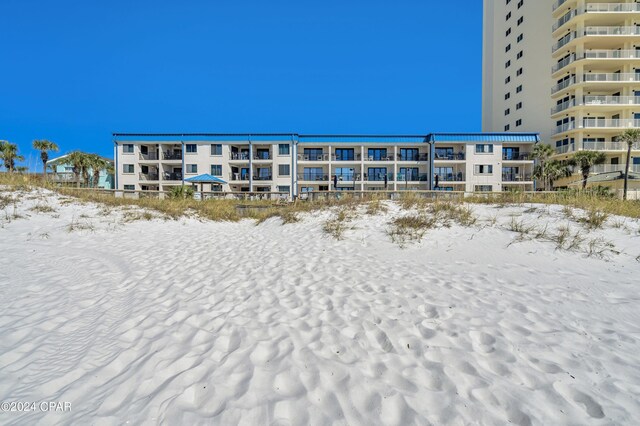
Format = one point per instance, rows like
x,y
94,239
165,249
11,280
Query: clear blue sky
x,y
76,71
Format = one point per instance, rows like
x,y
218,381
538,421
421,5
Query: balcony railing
x,y
355,157
378,177
149,156
565,127
608,168
313,177
564,41
262,156
612,7
263,177
172,176
419,157
609,146
239,176
611,100
611,77
611,31
349,177
557,4
564,105
526,156
378,158
516,177
563,85
451,177
563,63
591,123
611,54
413,177
565,148
314,157
565,18
239,156
459,156
168,155
149,176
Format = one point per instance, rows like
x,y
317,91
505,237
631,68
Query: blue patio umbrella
x,y
205,178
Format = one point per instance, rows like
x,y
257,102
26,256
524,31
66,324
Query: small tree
x,y
585,160
9,152
541,153
80,163
44,146
630,136
554,170
97,164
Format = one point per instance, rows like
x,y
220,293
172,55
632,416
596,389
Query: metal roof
x,y
484,137
204,178
404,139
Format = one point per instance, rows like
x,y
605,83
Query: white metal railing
x,y
611,100
608,146
557,4
612,7
565,148
607,168
590,123
564,105
563,63
564,41
611,54
565,127
564,84
611,77
566,18
600,31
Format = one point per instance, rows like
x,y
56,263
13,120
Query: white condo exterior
x,y
295,164
569,69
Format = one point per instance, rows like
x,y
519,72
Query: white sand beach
x,y
198,322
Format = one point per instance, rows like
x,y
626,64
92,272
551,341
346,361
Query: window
x,y
284,170
216,169
313,154
508,16
520,3
508,48
483,169
519,72
216,149
129,187
520,38
409,154
483,188
506,128
377,154
192,168
345,173
510,153
507,64
507,111
507,33
484,148
377,174
409,174
519,89
507,96
518,122
507,80
508,1
127,168
519,55
262,154
314,173
518,105
344,154
285,188
191,148
283,149
127,148
521,20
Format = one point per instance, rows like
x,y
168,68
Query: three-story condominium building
x,y
587,54
295,164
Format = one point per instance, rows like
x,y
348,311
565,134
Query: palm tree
x,y
555,170
542,152
44,146
584,160
80,162
97,164
630,136
10,155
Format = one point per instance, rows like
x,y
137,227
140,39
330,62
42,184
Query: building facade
x,y
295,164
62,173
585,75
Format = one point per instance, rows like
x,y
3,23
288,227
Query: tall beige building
x,y
578,66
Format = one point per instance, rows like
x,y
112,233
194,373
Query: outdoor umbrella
x,y
202,179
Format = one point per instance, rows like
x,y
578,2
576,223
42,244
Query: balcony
x,y
597,123
561,86
612,100
262,156
611,54
609,146
356,157
563,63
565,148
565,127
611,31
609,168
563,106
557,4
516,177
378,158
419,157
241,156
313,177
611,77
596,8
565,18
451,177
379,177
459,156
148,176
172,176
525,156
349,177
264,177
564,41
323,156
413,177
150,156
242,177
168,155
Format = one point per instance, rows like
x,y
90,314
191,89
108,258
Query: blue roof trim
x,y
202,137
484,137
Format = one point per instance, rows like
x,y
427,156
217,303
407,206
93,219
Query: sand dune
x,y
191,322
